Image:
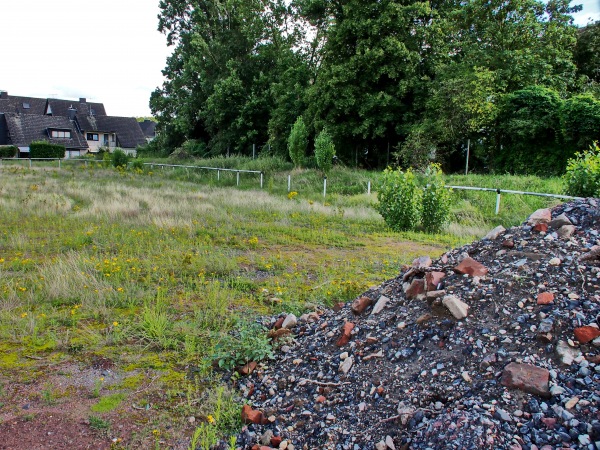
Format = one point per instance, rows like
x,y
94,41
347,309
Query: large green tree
x,y
496,47
227,55
375,55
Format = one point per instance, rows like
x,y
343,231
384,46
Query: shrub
x,y
137,164
399,199
583,173
119,158
8,151
324,151
249,344
44,149
297,142
435,209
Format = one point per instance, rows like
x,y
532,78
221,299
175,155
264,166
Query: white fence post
x,y
218,175
289,183
369,187
238,179
261,180
324,186
497,201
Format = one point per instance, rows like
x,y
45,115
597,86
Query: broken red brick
x,y
586,334
345,337
471,267
545,298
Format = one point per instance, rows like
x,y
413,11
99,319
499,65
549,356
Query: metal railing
x,y
217,169
289,181
510,191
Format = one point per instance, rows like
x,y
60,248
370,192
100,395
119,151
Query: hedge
x,y
43,149
8,151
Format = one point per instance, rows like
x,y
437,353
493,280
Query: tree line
x,y
390,81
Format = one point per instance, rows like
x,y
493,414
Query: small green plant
x,y
435,208
48,396
250,343
399,199
324,151
98,424
119,158
108,403
97,387
137,164
582,177
297,142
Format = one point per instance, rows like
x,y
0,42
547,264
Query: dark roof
x,y
129,133
26,128
148,128
84,108
16,104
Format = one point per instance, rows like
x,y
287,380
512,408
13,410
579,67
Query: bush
x,y
250,343
119,158
324,151
580,121
8,151
435,209
44,149
399,199
297,142
583,173
137,164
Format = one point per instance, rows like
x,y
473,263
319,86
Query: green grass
x,y
156,270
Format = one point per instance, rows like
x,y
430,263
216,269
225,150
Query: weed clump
x,y
583,173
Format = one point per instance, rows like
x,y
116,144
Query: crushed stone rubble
x,y
494,345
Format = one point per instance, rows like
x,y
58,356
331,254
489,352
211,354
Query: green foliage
x,y
399,199
98,423
529,126
435,209
324,151
580,120
137,164
45,149
108,403
249,343
8,151
582,178
587,52
297,142
119,158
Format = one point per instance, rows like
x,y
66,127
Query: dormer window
x,y
92,136
60,134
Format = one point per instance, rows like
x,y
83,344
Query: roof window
x,y
26,105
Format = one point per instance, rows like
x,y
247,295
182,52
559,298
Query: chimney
x,y
3,94
82,100
72,111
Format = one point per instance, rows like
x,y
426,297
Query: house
x,y
81,126
111,132
149,129
26,128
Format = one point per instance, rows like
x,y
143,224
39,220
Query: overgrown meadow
x,y
164,272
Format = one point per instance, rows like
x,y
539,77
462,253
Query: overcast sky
x,y
107,51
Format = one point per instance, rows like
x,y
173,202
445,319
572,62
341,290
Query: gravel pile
x,y
494,345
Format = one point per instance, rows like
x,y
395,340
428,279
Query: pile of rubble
x,y
494,345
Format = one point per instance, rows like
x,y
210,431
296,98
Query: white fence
x,y
289,179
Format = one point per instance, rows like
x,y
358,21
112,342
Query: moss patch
x,y
108,403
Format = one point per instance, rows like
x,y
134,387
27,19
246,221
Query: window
x,y
60,134
26,105
92,136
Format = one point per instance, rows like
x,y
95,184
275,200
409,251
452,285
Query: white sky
x,y
105,50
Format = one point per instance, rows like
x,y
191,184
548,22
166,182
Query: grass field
x,y
161,273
